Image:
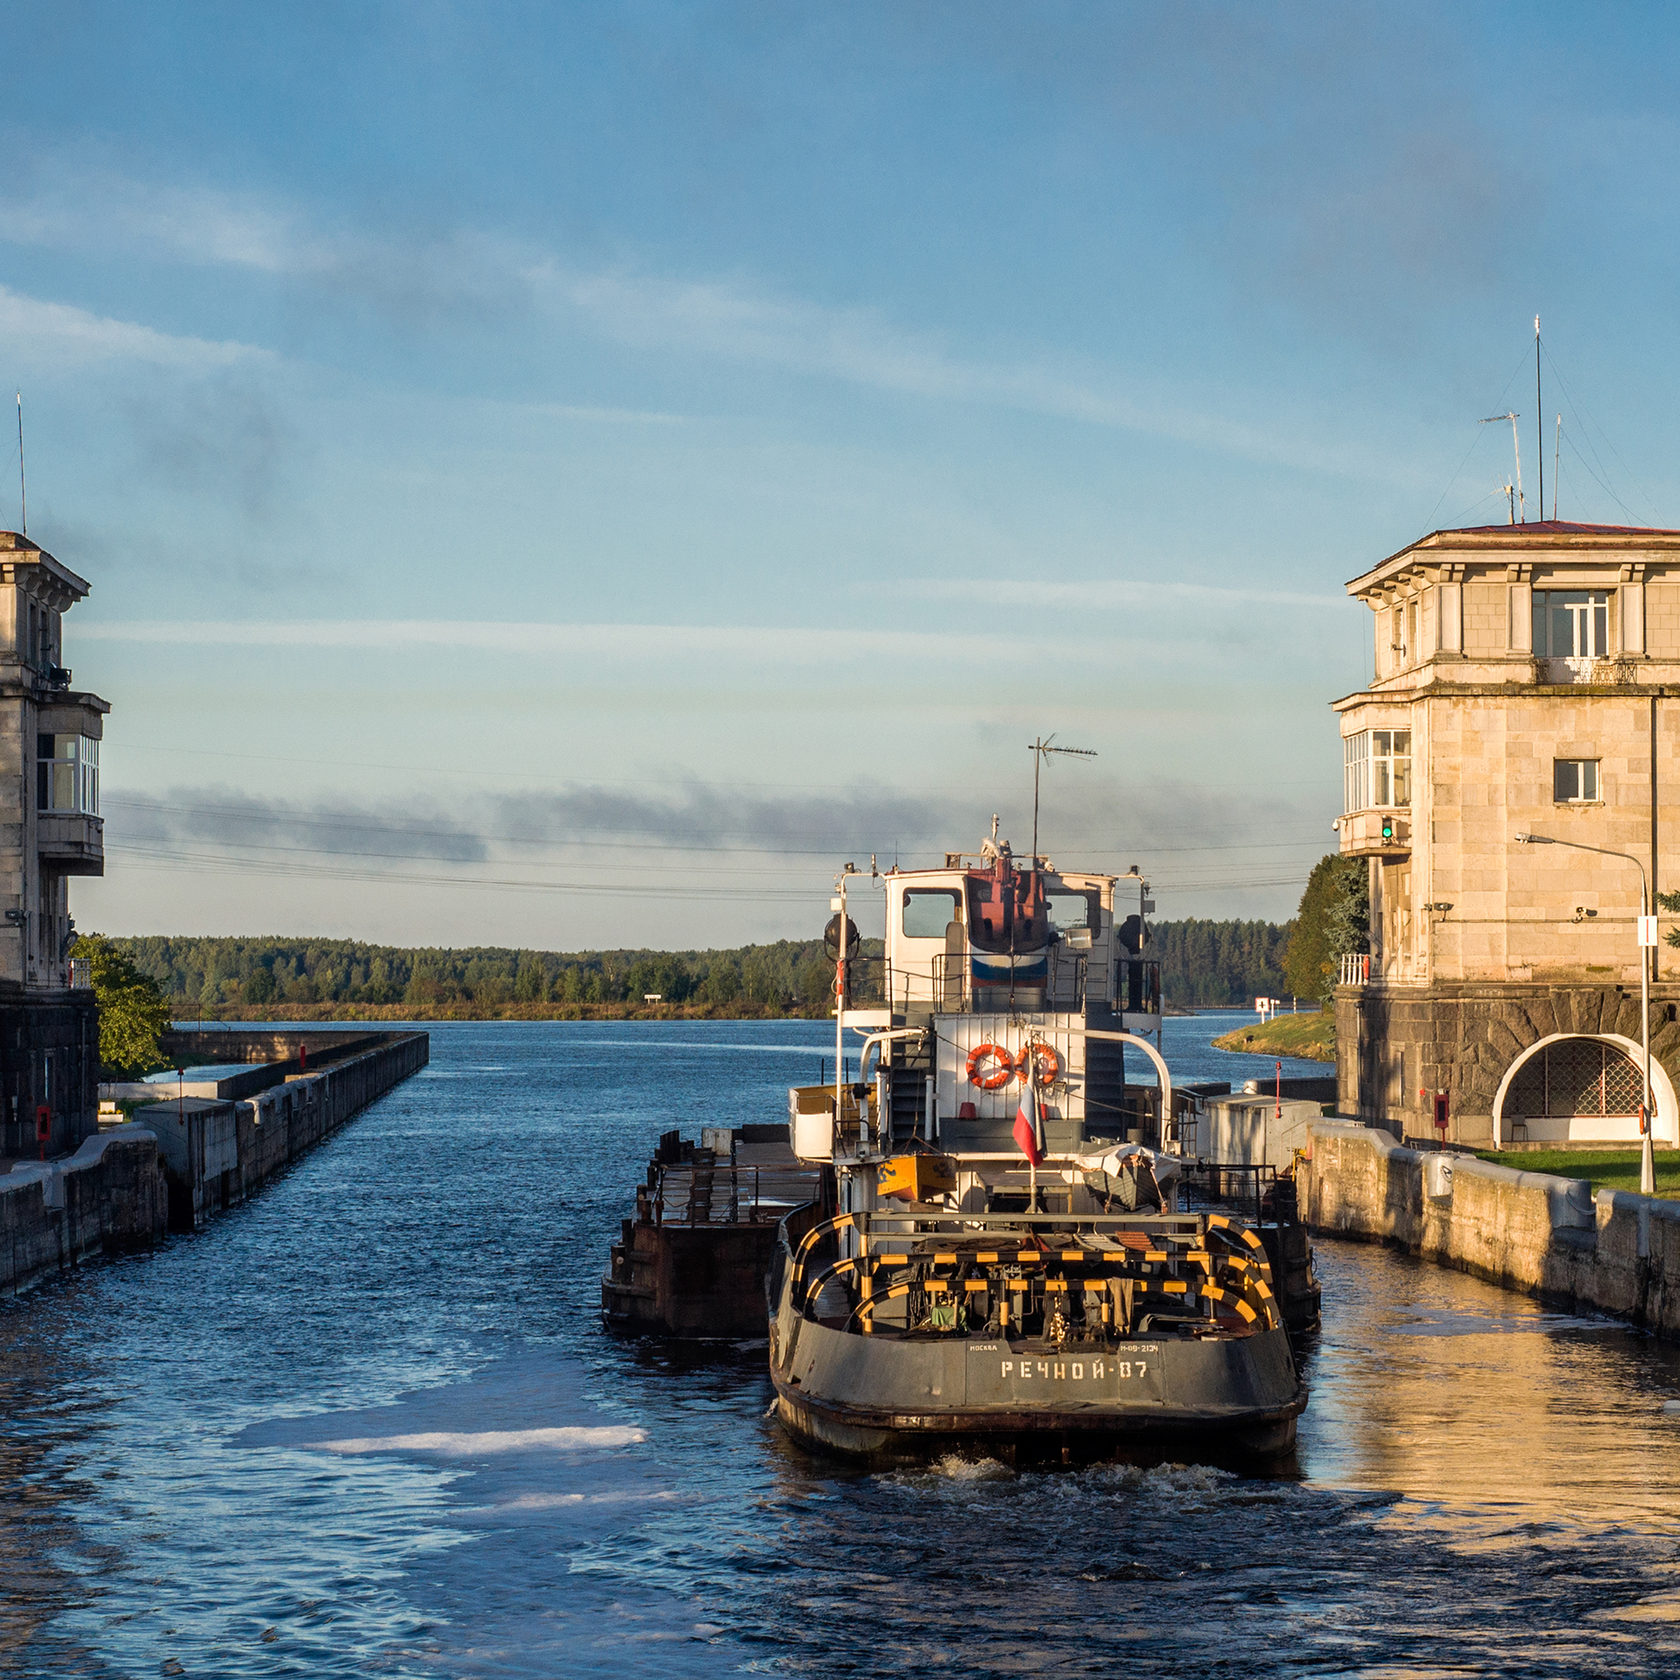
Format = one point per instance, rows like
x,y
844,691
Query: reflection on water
x,y
368,1424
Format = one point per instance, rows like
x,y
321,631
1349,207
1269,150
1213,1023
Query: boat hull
x,y
890,1399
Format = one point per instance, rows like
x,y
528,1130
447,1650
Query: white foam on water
x,y
553,1501
950,1470
461,1444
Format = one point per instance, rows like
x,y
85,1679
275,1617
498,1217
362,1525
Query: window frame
x,y
1582,767
73,759
1588,611
952,894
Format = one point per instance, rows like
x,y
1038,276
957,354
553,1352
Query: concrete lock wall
x,y
1532,1232
176,1163
108,1197
216,1153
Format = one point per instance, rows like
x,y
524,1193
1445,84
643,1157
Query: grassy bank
x,y
1311,1036
1603,1169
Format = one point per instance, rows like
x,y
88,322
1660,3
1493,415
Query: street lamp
x,y
1647,1165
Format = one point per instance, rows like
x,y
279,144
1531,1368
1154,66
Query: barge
x,y
1006,1267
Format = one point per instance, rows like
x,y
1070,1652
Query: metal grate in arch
x,y
1573,1078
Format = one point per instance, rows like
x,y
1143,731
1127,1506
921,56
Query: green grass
x,y
1603,1169
1310,1035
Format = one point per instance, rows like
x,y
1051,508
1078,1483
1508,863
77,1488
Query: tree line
x,y
1204,964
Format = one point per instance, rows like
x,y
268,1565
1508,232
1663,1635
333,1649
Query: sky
x,y
575,475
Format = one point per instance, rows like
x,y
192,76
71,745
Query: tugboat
x,y
1005,1269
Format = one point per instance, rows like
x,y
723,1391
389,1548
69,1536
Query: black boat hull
x,y
887,1398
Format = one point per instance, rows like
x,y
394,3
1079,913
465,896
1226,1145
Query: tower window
x,y
1575,781
1376,769
1571,624
67,774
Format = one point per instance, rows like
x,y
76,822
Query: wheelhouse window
x,y
1571,624
67,774
928,912
1575,781
1072,910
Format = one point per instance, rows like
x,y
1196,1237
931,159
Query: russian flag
x,y
1029,1121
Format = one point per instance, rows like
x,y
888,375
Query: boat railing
x,y
1250,1188
702,1192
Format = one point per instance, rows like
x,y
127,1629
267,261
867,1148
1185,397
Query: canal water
x,y
368,1425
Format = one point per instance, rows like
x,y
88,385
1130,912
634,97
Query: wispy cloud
x,y
1100,593
611,828
757,643
37,328
425,275
734,319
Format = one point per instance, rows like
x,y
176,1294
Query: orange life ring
x,y
999,1076
1041,1053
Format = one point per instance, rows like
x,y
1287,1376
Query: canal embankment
x,y
1538,1233
171,1160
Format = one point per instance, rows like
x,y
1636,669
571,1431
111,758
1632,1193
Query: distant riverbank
x,y
737,1010
1312,1036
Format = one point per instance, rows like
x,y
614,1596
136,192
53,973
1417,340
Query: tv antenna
x,y
1041,749
1493,420
23,492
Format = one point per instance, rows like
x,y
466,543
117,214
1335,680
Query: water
x,y
367,1425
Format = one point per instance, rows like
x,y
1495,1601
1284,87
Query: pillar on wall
x,y
1631,610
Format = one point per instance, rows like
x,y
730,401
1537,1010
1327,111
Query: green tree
x,y
132,1014
1333,920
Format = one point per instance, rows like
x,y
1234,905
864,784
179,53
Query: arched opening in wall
x,y
1577,1089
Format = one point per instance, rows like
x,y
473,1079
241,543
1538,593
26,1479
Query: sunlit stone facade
x,y
1526,679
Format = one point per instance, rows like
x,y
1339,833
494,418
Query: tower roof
x,y
1558,536
18,550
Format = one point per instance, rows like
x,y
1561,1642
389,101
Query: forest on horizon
x,y
1204,964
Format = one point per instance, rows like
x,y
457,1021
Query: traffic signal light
x,y
1388,828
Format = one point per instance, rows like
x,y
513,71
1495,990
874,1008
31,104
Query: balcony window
x,y
1575,781
1356,771
67,774
1391,767
1571,624
1376,769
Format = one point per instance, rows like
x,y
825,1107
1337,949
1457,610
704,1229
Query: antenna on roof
x,y
1041,750
23,489
1539,420
1557,438
1494,419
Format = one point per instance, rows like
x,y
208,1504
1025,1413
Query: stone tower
x,y
50,829
1526,681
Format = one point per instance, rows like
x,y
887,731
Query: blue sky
x,y
572,475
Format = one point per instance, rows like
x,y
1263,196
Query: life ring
x,y
1049,1064
999,1076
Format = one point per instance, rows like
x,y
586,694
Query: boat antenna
x,y
23,489
1539,420
1040,750
1494,419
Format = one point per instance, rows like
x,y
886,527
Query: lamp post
x,y
1647,1164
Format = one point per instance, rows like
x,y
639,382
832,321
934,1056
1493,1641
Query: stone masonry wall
x,y
107,1198
1531,1232
1392,1043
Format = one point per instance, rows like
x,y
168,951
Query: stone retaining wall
x,y
1533,1232
217,1153
176,1164
106,1198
